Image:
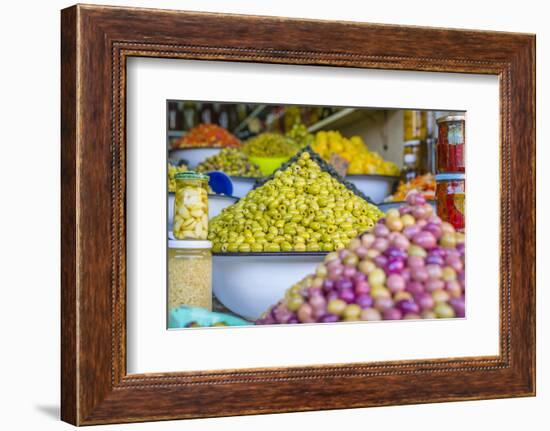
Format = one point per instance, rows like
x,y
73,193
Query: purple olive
x,y
333,294
424,300
425,240
349,271
328,285
408,306
435,260
415,262
434,229
394,266
361,251
380,260
392,314
414,287
364,301
358,277
459,306
362,287
411,231
329,318
380,230
396,283
282,314
344,283
347,295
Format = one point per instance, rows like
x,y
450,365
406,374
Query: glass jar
x,y
415,125
189,274
191,206
451,143
412,160
450,191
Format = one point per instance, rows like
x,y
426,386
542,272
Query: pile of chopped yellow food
x,y
354,150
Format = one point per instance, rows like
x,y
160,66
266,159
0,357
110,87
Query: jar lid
x,y
191,175
190,244
450,176
457,117
411,143
187,243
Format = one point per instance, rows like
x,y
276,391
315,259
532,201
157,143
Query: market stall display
x,y
270,150
304,206
270,145
172,171
207,135
202,142
424,184
354,150
409,266
231,161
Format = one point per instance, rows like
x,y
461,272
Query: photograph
x,y
272,204
293,214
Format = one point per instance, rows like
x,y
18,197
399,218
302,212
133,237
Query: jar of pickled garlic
x,y
189,274
451,142
191,206
450,191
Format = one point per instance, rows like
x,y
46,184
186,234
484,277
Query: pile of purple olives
x,y
410,265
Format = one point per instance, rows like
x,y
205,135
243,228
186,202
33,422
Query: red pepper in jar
x,y
450,144
450,191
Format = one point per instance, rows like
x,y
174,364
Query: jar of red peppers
x,y
451,143
449,195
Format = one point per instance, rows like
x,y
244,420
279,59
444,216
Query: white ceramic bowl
x,y
193,156
216,203
376,187
242,185
248,284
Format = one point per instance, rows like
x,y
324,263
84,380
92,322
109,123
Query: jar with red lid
x,y
450,192
451,143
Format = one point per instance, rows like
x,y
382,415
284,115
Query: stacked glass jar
x,y
450,177
189,251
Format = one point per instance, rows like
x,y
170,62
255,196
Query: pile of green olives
x,y
233,162
302,208
300,135
271,145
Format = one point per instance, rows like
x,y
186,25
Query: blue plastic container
x,y
182,316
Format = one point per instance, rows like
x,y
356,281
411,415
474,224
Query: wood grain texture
x,y
96,41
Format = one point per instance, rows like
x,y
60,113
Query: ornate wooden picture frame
x,y
96,41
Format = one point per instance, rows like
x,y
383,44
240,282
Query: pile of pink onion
x,y
410,265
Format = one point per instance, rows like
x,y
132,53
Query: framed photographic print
x,y
332,222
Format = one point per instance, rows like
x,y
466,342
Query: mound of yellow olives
x,y
301,208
